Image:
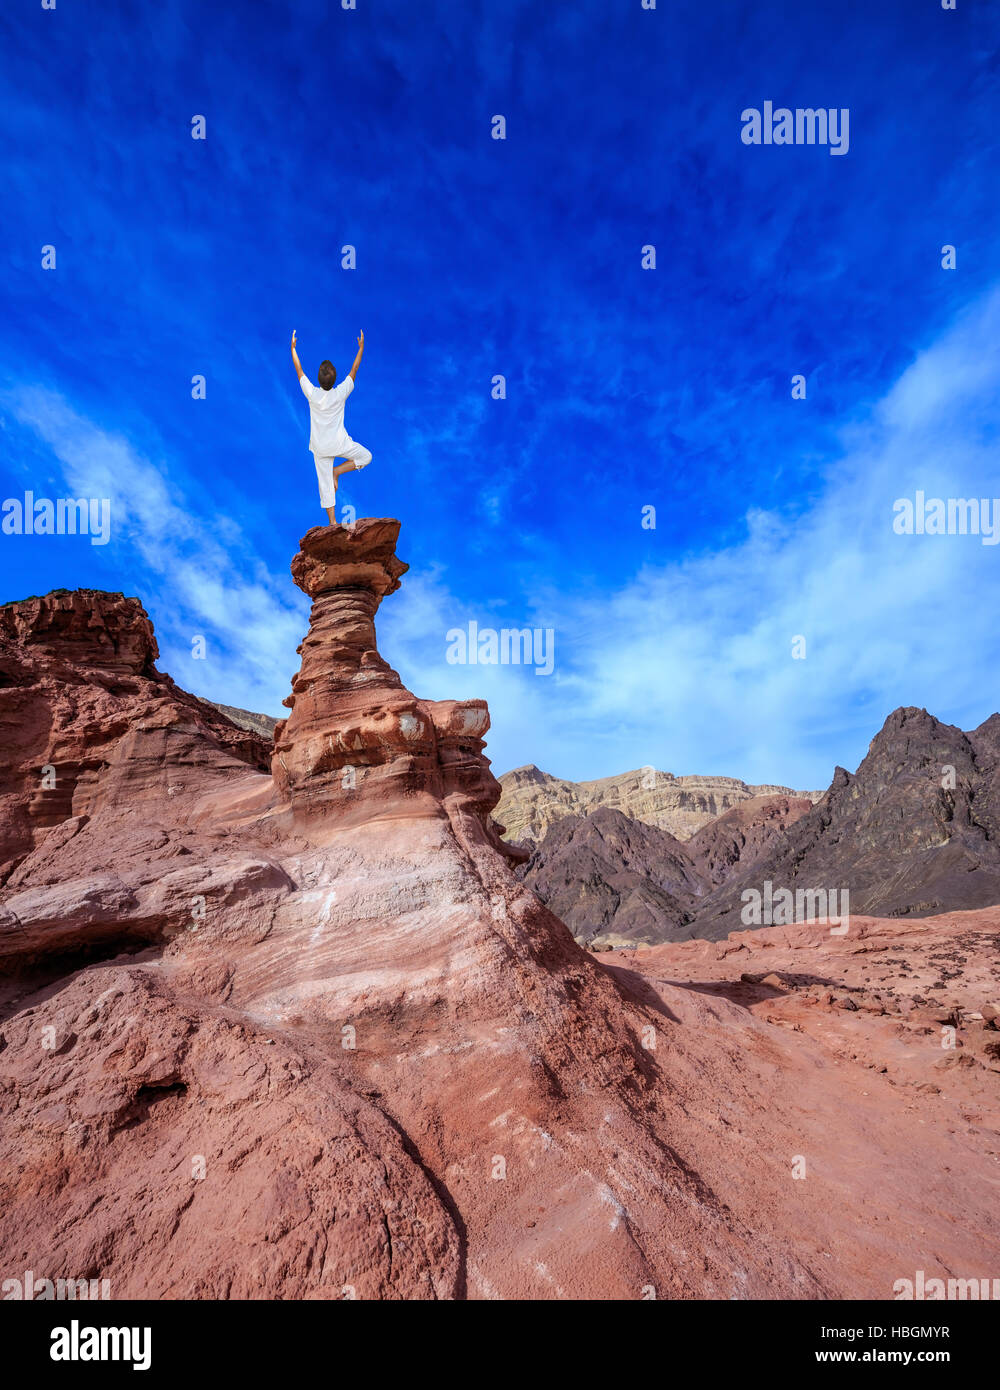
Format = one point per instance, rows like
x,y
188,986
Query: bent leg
x,y
357,457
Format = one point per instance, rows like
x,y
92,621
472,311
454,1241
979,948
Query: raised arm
x,y
295,357
353,373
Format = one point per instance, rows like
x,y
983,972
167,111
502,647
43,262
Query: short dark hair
x,y
327,375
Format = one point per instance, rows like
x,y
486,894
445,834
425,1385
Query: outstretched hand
x,y
361,340
293,339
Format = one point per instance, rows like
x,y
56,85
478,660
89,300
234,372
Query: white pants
x,y
357,453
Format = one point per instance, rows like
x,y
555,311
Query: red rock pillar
x,y
356,739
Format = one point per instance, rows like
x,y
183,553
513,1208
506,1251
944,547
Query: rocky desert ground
x,y
287,1019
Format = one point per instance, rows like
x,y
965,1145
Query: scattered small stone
x,y
955,1059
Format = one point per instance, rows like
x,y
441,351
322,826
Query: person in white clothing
x,y
328,439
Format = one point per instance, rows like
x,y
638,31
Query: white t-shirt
x,y
326,412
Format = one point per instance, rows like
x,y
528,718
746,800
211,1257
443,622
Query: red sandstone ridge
x,y
82,707
308,1033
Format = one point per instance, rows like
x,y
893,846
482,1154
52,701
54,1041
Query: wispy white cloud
x,y
689,664
206,579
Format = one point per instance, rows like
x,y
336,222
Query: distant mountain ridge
x,y
262,724
533,801
617,881
914,832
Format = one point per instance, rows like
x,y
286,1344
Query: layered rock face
x,y
85,718
533,801
83,628
308,1036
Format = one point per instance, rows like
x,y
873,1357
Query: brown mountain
x,y
915,831
614,880
737,837
532,801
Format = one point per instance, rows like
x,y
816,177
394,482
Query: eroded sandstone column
x,y
357,741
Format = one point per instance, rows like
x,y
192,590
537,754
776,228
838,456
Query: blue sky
x,y
475,257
